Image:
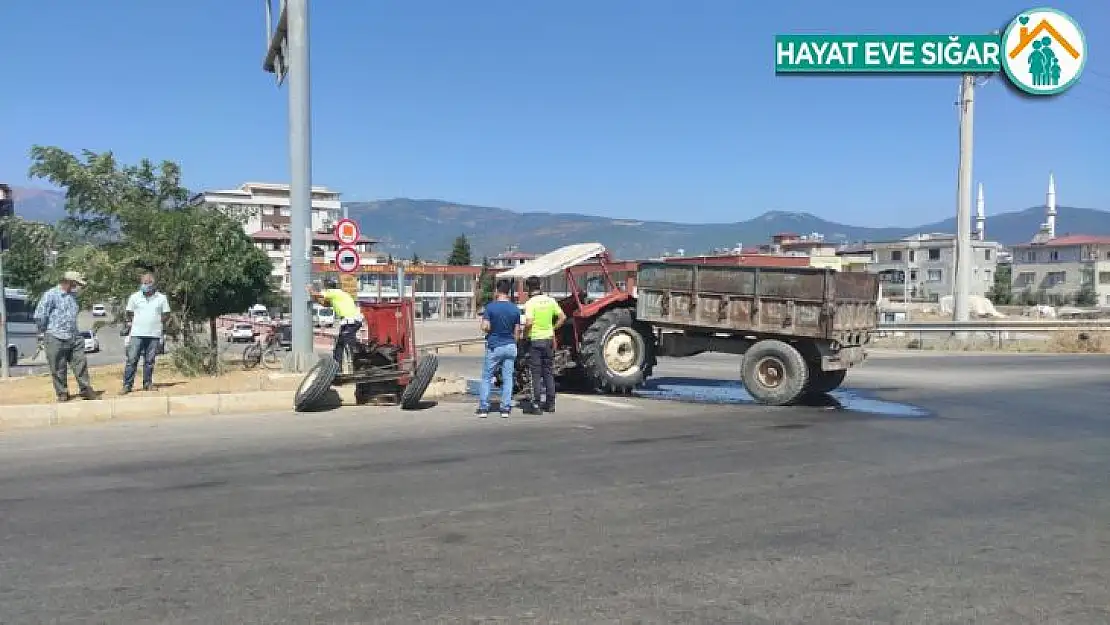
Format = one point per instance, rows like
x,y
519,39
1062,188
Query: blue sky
x,y
626,108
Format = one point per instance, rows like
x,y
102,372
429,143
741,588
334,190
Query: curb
x,y
78,412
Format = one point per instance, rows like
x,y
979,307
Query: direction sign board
x,y
346,231
347,259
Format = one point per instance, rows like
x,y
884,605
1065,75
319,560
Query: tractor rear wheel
x,y
616,354
315,384
418,385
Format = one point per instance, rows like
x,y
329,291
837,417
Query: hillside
x,y
428,227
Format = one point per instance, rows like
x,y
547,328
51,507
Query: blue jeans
x,y
147,346
504,357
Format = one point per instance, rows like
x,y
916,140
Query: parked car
x,y
99,310
92,344
241,332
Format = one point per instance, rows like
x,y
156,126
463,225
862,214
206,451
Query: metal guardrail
x,y
991,325
457,345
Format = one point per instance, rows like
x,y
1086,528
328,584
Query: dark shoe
x,y
549,408
147,387
88,394
482,413
64,397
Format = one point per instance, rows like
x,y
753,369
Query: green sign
x,y
947,54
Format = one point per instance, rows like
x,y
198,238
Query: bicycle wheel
x,y
252,355
271,359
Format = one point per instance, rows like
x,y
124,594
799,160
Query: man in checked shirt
x,y
56,316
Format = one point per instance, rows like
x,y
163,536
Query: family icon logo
x,y
1044,51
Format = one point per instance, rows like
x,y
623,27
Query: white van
x,y
322,316
23,334
259,314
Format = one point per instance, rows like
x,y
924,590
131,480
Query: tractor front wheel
x,y
615,353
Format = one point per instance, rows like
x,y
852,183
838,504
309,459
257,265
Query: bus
x,y
23,333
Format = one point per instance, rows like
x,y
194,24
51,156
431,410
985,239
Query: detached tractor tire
x,y
774,373
418,385
616,354
316,384
821,382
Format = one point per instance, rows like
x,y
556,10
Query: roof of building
x,y
278,235
248,187
514,255
1070,239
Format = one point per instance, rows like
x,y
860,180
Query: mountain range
x,y
428,227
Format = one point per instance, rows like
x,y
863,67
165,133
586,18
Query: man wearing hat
x,y
56,316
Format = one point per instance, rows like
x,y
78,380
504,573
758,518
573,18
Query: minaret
x,y
980,217
1050,207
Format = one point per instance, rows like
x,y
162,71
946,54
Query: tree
x,y
486,283
415,259
1087,296
460,251
1001,292
28,262
138,218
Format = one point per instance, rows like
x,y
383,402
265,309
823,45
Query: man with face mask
x,y
56,317
147,311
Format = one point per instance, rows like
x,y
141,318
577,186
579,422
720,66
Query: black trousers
x,y
541,356
348,335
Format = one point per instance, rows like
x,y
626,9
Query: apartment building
x,y
1062,270
924,264
264,210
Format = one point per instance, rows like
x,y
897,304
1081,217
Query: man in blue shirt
x,y
56,317
501,323
147,312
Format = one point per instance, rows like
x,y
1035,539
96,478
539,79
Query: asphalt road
x,y
992,508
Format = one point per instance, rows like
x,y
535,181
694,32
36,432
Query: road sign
x,y
347,259
346,232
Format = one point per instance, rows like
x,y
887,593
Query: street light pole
x,y
287,55
960,303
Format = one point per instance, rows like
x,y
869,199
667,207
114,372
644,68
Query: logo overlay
x,y
1043,52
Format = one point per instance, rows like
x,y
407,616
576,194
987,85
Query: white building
x,y
265,213
265,206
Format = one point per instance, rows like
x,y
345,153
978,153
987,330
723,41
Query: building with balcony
x,y
1071,269
265,206
924,264
510,258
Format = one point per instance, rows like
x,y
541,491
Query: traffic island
x,y
29,402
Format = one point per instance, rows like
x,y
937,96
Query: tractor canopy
x,y
555,262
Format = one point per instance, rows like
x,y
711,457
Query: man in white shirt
x,y
147,312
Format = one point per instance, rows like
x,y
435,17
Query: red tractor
x,y
602,346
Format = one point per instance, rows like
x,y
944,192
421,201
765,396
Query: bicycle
x,y
264,353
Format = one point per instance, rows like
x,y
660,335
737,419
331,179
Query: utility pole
x,y
960,300
287,55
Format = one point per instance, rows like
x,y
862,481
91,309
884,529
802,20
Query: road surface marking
x,y
603,402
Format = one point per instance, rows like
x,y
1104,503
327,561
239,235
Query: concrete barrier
x,y
86,412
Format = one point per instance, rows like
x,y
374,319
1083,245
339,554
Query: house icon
x,y
1027,36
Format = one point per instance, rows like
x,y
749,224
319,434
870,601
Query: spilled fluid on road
x,y
702,390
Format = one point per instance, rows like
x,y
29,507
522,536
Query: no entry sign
x,y
346,231
347,259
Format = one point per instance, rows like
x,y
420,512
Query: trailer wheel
x,y
615,353
824,381
774,373
418,385
315,384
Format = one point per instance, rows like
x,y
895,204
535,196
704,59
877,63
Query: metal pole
x,y
960,301
5,366
400,281
300,187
